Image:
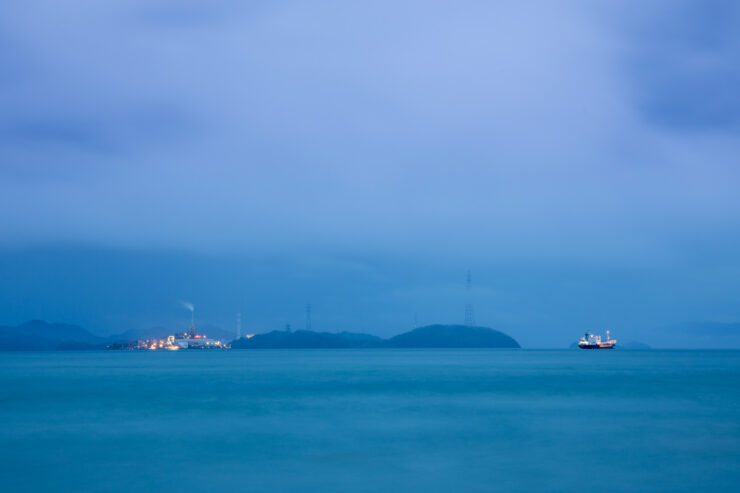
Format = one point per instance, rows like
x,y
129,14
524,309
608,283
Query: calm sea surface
x,y
376,420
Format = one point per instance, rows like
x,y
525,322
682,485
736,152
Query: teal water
x,y
376,420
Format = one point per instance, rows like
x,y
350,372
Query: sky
x,y
581,158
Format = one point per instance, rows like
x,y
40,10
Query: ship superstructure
x,y
192,340
591,341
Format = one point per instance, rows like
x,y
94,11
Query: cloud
x,y
45,132
681,62
510,129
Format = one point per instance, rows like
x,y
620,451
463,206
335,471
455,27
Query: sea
x,y
370,421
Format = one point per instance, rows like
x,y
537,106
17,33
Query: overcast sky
x,y
582,158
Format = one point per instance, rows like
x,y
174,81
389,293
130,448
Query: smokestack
x,y
190,307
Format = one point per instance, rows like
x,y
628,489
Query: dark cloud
x,y
76,140
674,105
196,13
682,61
54,134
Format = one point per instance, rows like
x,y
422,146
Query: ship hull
x,y
595,346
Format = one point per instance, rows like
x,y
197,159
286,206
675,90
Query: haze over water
x,y
370,420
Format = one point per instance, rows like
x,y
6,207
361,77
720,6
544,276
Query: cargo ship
x,y
591,341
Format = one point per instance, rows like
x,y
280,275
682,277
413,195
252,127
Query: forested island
x,y
430,336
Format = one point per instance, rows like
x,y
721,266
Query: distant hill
x,y
307,339
38,335
452,336
432,336
136,334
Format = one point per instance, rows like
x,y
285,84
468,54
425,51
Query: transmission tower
x,y
469,310
308,316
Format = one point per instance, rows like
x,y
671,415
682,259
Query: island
x,y
430,336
